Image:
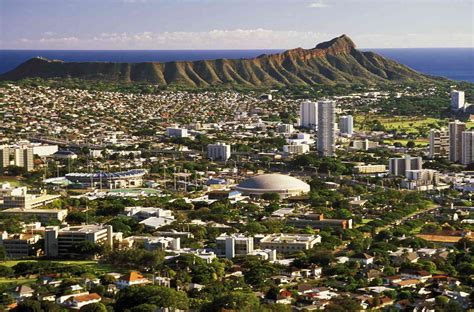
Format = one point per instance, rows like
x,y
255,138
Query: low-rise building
x,y
288,243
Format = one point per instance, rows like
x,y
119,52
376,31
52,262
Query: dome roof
x,y
273,182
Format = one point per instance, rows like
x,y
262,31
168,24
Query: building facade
x,y
457,100
308,114
218,151
467,143
346,125
326,128
399,166
456,128
439,144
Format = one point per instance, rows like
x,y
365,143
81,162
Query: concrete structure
x,y
44,150
456,128
370,169
289,243
125,179
421,180
59,242
399,166
284,185
439,143
457,100
317,221
176,132
19,245
43,215
285,128
363,144
19,198
64,154
4,157
346,125
308,114
295,149
218,151
233,245
326,128
467,143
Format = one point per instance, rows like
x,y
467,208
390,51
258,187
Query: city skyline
x,y
230,24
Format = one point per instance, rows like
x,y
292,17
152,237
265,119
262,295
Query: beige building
x,y
43,215
439,143
370,169
288,243
19,198
456,129
19,245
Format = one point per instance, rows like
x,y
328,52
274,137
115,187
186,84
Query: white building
x,y
308,114
176,132
289,243
233,245
326,128
467,155
346,125
457,100
285,128
218,151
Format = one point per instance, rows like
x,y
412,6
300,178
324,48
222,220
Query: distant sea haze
x,y
452,63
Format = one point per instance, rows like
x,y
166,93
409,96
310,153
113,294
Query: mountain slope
x,y
334,61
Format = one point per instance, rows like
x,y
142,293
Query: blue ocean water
x,y
453,63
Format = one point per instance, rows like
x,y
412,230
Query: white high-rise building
x,y
308,114
4,157
218,151
346,125
456,129
326,128
457,100
467,156
439,143
24,158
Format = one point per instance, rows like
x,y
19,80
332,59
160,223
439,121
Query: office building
x,y
456,128
363,145
439,144
317,221
24,158
42,215
399,166
370,169
308,114
289,243
59,242
18,197
218,151
326,128
175,132
19,245
346,125
234,245
467,143
457,100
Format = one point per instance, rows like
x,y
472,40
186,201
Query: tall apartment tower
x,y
439,143
326,128
24,158
467,156
218,151
399,166
457,100
346,125
308,114
456,128
4,157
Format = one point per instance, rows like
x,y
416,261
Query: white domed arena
x,y
284,185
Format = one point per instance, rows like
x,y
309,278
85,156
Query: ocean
x,y
452,63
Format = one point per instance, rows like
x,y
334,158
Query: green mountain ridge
x,y
331,62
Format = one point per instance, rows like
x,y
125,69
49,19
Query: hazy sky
x,y
233,24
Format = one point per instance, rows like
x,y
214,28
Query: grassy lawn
x,y
401,123
17,281
93,265
419,141
12,180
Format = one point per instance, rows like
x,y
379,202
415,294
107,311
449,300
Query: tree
x,y
6,271
162,297
86,248
144,307
236,301
28,305
94,307
271,196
